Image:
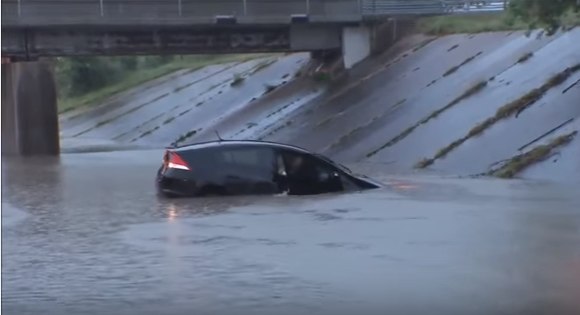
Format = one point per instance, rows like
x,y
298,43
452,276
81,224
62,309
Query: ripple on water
x,y
11,215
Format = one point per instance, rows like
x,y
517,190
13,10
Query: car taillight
x,y
173,160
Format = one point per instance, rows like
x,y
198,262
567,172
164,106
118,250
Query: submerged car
x,y
247,167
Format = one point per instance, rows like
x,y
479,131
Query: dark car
x,y
228,167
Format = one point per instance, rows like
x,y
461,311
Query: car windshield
x,y
342,167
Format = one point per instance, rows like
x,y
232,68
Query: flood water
x,y
85,234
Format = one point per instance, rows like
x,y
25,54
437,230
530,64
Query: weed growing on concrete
x,y
468,93
263,65
186,136
237,79
513,108
323,76
463,63
269,88
146,133
424,43
525,57
520,162
423,163
184,112
168,120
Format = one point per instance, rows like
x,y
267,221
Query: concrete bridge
x,y
36,28
33,28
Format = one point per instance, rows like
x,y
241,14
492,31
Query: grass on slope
x,y
145,75
492,22
454,24
520,162
508,110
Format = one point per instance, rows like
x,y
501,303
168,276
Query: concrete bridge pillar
x,y
29,110
356,44
362,41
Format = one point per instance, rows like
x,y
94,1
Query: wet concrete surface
x,y
355,122
376,102
80,239
196,100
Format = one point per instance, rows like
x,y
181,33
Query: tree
x,y
79,75
545,14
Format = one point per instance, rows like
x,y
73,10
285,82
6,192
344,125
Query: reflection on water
x,y
86,234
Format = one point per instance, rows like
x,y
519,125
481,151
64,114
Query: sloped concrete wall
x,y
383,99
394,100
194,105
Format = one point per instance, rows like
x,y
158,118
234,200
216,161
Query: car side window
x,y
259,160
309,162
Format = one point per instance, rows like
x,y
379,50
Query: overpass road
x,y
49,13
34,28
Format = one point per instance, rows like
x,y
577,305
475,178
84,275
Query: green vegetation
x,y
84,81
520,162
520,15
510,109
549,15
455,24
323,76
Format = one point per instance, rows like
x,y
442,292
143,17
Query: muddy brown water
x,y
85,234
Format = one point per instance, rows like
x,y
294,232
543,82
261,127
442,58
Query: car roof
x,y
237,143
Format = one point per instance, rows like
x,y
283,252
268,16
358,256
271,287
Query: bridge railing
x,y
429,7
180,12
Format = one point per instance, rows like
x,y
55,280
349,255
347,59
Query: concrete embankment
x,y
435,92
466,104
183,106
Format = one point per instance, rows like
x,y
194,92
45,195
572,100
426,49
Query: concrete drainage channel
x,y
392,110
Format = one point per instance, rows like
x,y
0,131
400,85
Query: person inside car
x,y
302,176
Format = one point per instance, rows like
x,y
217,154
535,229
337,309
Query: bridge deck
x,y
30,13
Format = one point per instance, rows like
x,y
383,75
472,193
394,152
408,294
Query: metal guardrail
x,y
426,7
180,12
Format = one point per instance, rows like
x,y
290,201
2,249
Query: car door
x,y
312,176
250,171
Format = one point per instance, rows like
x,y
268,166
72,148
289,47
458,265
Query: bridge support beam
x,y
29,110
